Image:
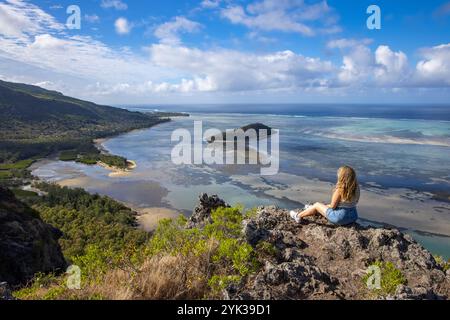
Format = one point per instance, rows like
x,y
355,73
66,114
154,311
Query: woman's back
x,y
351,203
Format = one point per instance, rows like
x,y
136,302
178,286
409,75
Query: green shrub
x,y
55,292
95,263
445,265
169,237
226,222
229,256
219,283
39,281
391,278
239,253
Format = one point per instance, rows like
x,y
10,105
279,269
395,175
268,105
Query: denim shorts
x,y
342,216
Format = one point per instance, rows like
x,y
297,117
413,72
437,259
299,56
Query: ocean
x,y
401,154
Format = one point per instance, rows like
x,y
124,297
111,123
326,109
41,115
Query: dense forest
x,y
85,219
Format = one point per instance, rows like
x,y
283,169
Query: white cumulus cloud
x,y
294,16
392,67
169,32
434,69
229,70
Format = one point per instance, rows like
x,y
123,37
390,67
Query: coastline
x,y
405,209
116,171
132,164
395,204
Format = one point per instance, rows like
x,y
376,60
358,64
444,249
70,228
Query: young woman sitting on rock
x,y
342,210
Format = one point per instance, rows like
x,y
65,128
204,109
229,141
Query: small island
x,y
262,131
109,161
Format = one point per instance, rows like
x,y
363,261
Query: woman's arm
x,y
335,199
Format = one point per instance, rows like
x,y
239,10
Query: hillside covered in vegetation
x,y
32,113
230,253
36,122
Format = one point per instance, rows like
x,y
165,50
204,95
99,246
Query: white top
x,y
353,203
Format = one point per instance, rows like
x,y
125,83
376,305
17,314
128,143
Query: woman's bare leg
x,y
317,208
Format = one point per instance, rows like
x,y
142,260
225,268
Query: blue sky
x,y
219,51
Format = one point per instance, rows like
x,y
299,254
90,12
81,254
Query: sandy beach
x,y
148,218
118,172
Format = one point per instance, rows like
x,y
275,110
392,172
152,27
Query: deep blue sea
x,y
393,111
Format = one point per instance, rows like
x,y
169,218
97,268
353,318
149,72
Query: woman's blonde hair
x,y
347,183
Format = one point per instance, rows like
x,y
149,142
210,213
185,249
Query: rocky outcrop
x,y
317,260
5,292
27,244
202,212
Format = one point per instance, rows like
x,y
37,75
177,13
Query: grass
x,y
20,165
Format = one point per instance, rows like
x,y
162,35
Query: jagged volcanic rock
x,y
5,292
202,212
317,260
